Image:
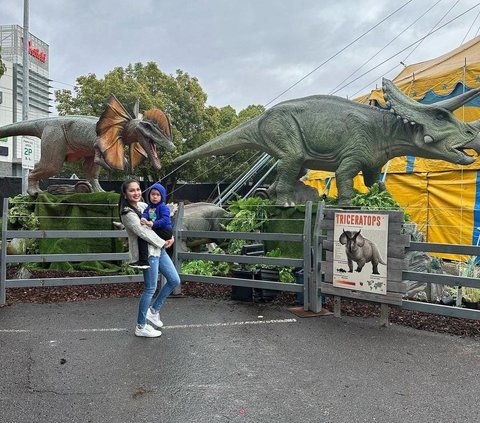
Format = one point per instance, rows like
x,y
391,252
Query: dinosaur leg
x,y
344,177
53,153
288,171
371,176
92,171
360,264
350,265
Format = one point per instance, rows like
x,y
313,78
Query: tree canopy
x,y
182,98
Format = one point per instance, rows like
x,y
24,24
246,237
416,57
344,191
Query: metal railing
x,y
311,265
6,259
311,300
444,279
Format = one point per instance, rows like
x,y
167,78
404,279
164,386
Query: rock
x,y
17,246
23,273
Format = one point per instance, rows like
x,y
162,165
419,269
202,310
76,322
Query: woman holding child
x,y
138,228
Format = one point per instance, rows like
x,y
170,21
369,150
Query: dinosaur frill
x,y
111,136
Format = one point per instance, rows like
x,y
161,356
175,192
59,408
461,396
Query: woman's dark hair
x,y
123,204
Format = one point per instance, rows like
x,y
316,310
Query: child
x,y
157,216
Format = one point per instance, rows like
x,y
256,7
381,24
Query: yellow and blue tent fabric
x,y
442,198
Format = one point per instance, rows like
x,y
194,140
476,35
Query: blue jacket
x,y
158,213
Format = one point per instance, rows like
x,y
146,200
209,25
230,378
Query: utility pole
x,y
26,83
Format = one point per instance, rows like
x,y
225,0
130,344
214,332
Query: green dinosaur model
x,y
334,134
99,142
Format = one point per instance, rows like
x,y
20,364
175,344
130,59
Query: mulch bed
x,y
417,320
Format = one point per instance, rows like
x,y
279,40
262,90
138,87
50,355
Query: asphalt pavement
x,y
224,361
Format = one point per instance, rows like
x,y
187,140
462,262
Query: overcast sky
x,y
246,51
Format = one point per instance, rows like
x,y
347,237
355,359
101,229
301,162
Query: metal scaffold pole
x,y
26,83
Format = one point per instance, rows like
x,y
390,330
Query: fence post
x,y
177,245
317,259
3,259
307,257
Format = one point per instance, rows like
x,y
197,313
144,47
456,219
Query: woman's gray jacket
x,y
135,229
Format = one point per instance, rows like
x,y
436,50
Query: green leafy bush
x,y
205,268
285,272
21,214
198,267
472,295
375,199
249,214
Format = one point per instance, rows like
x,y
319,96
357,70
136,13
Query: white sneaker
x,y
147,331
154,318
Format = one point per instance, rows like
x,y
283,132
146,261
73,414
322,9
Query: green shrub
x,y
472,295
21,214
198,267
375,199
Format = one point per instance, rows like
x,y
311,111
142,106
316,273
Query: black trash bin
x,y
242,293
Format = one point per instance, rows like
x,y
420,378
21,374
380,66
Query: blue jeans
x,y
164,265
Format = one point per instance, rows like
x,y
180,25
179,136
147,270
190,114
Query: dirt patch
x,y
417,320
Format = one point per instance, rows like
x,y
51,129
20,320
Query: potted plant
x,y
268,272
471,297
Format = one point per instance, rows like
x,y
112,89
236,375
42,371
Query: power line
x,y
438,23
412,44
408,55
338,52
383,48
471,26
64,83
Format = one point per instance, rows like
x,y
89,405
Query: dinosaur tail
x,y
28,127
243,136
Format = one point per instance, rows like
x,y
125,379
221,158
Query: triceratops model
x,y
96,141
335,134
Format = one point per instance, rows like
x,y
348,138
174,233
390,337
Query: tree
x,y
223,169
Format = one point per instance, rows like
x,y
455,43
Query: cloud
x,y
244,52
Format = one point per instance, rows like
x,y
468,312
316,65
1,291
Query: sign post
x,y
28,153
28,160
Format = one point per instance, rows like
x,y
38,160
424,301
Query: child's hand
x,y
146,222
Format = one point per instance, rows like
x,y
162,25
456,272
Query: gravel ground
x,y
423,321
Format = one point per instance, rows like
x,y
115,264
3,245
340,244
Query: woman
x,y
130,209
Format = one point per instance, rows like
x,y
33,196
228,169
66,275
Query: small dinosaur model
x,y
334,134
96,141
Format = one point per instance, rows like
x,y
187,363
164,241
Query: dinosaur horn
x,y
454,103
401,104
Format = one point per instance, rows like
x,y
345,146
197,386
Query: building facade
x,y
11,91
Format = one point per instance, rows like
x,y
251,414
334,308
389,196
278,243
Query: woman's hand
x,y
146,222
169,242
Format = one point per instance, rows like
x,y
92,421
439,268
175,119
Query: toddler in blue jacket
x,y
157,216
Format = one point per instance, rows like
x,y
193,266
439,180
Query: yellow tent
x,y
442,198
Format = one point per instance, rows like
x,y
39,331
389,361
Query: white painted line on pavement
x,y
200,325
98,330
212,325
